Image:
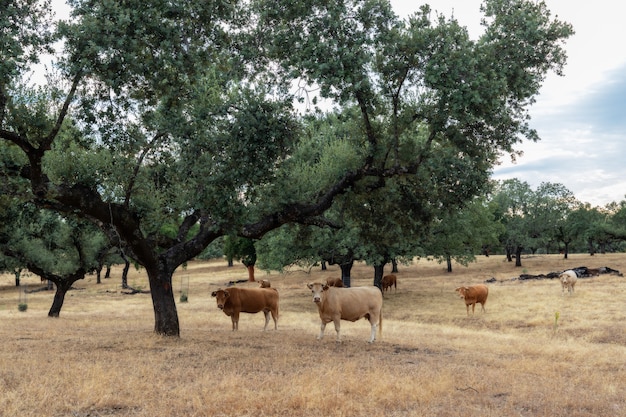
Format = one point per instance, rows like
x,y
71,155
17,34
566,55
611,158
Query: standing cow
x,y
388,281
336,304
474,294
568,280
233,301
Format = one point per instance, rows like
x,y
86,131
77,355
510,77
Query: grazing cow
x,y
388,281
336,304
568,280
265,283
334,282
233,301
474,294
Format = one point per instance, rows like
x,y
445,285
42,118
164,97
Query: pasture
x,y
533,353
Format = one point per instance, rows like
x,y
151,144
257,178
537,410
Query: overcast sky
x,y
581,117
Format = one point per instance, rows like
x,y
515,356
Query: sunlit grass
x,y
533,353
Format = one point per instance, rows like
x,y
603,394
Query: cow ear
x,y
325,287
226,294
310,286
214,294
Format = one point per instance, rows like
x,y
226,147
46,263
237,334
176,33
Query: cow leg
x,y
267,319
275,318
322,328
373,333
467,308
235,319
337,322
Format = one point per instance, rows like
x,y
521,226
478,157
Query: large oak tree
x,y
181,110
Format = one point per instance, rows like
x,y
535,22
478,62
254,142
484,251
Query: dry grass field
x,y
101,357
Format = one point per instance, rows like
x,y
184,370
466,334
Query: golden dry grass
x,y
101,358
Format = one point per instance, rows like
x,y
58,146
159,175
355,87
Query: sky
x,y
580,117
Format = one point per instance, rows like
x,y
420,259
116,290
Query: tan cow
x,y
568,280
388,281
336,304
233,301
474,294
334,282
265,283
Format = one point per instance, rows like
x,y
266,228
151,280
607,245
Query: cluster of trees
x,y
510,219
166,125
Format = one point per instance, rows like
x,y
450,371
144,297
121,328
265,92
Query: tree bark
x,y
346,268
250,273
378,275
518,255
165,313
62,287
394,266
449,262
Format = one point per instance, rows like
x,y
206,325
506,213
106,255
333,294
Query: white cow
x,y
568,280
337,303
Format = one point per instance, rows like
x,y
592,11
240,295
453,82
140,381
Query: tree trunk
x,y
378,275
394,266
18,274
509,253
165,313
592,249
566,251
107,274
125,273
518,255
449,262
323,266
345,273
230,262
59,296
125,270
99,274
250,273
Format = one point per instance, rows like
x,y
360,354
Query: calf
x,y
336,304
334,282
265,284
568,280
233,301
388,281
474,294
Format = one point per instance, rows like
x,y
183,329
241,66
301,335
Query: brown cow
x,y
568,280
265,283
336,304
334,282
388,281
233,301
475,294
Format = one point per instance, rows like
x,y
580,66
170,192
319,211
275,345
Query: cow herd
x,y
336,302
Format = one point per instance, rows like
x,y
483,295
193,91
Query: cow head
x,y
317,289
461,291
220,296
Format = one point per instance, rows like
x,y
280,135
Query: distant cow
x,y
388,281
474,294
233,301
334,282
336,304
265,283
568,280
